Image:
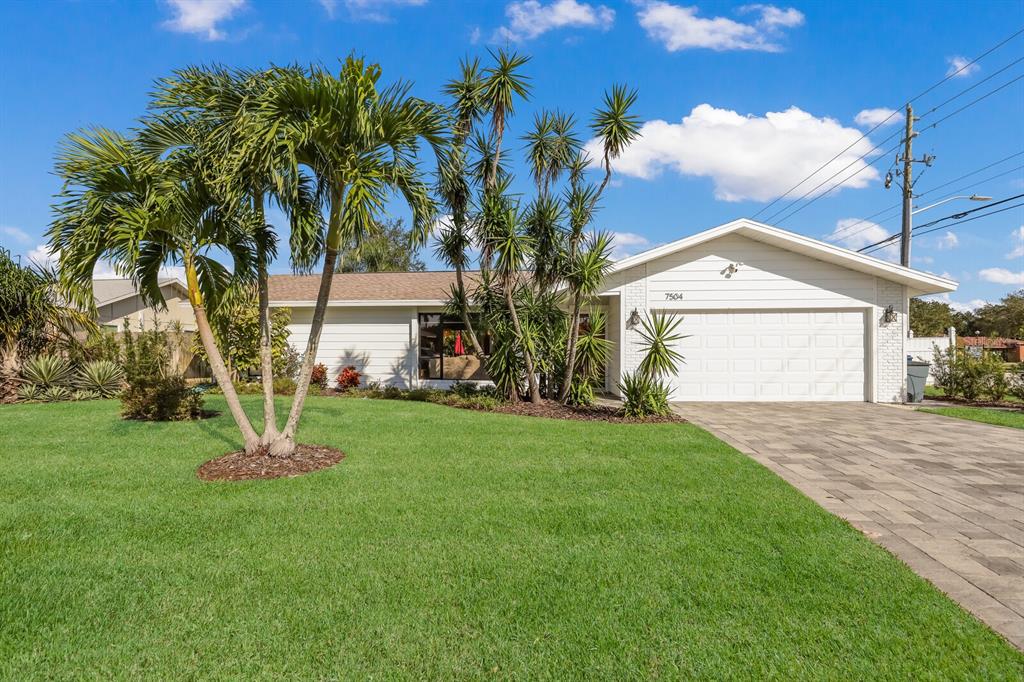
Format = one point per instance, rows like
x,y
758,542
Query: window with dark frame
x,y
445,350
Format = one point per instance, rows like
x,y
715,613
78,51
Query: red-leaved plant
x,y
319,376
349,378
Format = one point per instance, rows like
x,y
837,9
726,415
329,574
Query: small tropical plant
x,y
102,377
85,394
48,370
55,394
348,378
28,393
161,399
644,392
318,377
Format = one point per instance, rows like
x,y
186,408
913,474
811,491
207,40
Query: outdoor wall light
x,y
889,316
633,319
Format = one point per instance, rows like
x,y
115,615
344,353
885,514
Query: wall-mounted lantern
x,y
889,316
633,320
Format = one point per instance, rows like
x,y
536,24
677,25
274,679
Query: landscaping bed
x,y
239,466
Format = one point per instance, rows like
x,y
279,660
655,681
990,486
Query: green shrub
x,y
1015,383
464,389
161,399
644,396
284,386
55,394
48,370
962,374
102,377
28,393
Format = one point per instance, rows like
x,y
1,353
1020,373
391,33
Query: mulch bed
x,y
238,466
556,410
1005,404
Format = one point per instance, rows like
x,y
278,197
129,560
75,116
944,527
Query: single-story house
x,y
1011,350
118,302
768,314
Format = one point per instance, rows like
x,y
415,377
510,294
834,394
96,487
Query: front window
x,y
445,351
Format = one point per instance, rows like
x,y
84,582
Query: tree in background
x,y
236,328
1004,319
388,248
932,318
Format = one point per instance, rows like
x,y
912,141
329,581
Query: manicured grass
x,y
1012,418
449,544
936,392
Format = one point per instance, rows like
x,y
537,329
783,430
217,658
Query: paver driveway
x,y
945,495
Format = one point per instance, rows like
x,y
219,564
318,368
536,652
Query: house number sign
x,y
673,296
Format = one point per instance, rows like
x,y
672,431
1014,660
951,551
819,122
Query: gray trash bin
x,y
917,376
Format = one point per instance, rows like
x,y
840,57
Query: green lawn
x,y
449,544
1014,419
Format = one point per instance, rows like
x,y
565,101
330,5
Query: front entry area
x,y
779,355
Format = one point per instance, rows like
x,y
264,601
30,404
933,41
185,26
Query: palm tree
x,y
359,145
616,128
502,84
142,211
250,168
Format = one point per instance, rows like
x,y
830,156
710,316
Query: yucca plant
x,y
658,334
102,377
55,394
28,393
85,394
48,370
643,396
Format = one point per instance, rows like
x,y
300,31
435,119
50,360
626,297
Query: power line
x,y
886,120
882,156
840,233
956,216
878,247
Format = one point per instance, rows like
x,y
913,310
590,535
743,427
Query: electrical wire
x,y
878,247
952,74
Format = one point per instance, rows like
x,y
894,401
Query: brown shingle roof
x,y
987,342
370,286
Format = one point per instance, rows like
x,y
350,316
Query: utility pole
x,y
908,187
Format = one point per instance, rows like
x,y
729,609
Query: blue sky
x,y
740,101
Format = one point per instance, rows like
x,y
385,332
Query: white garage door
x,y
783,355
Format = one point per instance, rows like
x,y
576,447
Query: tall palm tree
x,y
142,211
250,169
359,145
616,128
502,84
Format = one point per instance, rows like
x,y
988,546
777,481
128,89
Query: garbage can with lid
x,y
917,376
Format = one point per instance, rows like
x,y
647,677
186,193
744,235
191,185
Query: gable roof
x,y
379,288
919,282
106,291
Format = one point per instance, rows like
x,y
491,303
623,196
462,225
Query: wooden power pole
x,y
908,187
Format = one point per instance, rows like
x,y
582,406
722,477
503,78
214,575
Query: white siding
x,y
379,342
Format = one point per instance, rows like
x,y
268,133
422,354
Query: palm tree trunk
x,y
266,358
220,372
531,377
284,444
477,348
570,353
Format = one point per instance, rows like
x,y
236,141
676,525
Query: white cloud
x,y
855,234
679,28
1001,276
956,63
924,260
475,35
202,16
877,116
958,306
627,243
14,233
367,10
529,18
42,256
747,157
1017,239
948,241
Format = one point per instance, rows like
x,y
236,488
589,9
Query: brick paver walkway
x,y
945,495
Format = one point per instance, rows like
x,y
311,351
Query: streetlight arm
x,y
972,197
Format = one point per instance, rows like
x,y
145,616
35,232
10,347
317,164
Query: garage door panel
x,y
774,355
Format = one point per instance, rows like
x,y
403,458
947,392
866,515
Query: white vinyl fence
x,y
923,347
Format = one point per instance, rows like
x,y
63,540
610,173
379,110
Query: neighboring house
x,y
769,314
1011,350
117,302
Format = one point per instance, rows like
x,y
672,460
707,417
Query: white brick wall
x,y
890,353
634,297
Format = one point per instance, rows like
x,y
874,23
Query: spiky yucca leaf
x,y
48,370
103,377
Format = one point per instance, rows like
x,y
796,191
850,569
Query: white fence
x,y
923,347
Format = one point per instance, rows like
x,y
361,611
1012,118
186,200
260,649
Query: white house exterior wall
x,y
379,342
769,278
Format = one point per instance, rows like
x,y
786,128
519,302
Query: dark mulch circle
x,y
238,466
556,410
